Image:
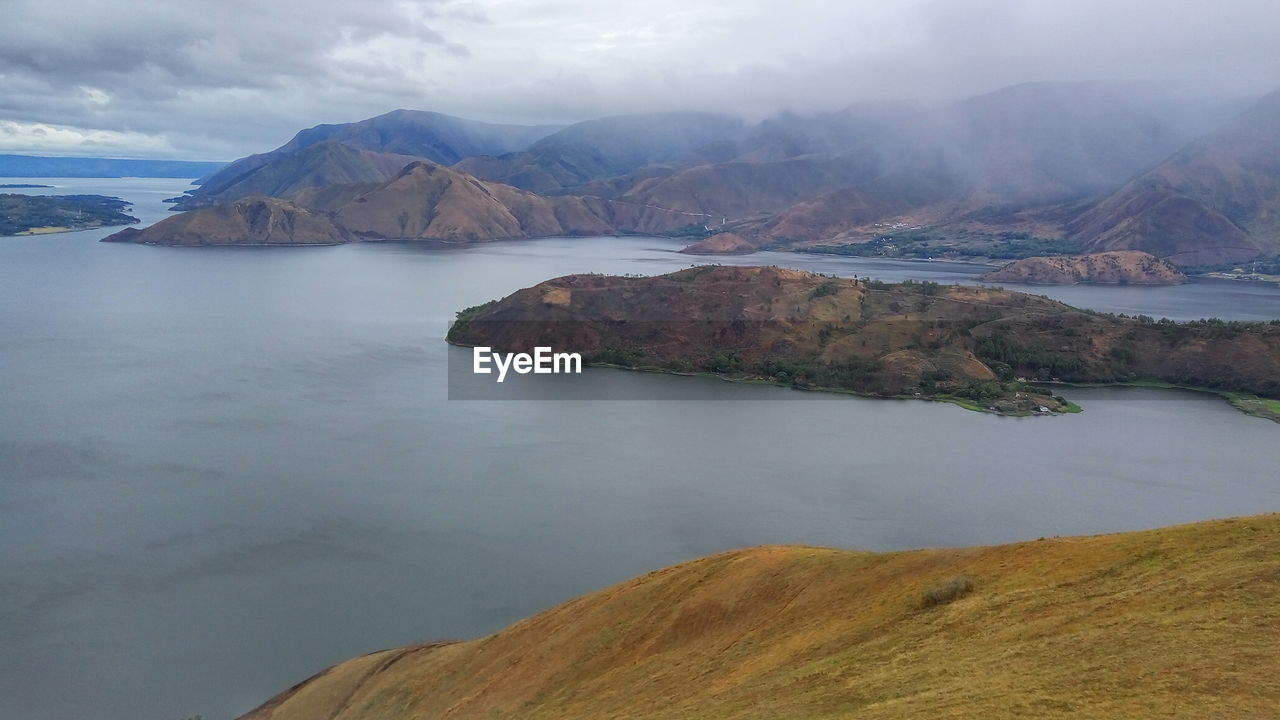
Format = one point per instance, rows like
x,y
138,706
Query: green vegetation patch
x,y
947,592
921,244
462,320
1256,406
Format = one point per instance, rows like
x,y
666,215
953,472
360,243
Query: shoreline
x,y
58,230
1239,277
1071,407
977,261
1247,403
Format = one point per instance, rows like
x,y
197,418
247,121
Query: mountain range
x,y
37,166
419,201
422,135
1087,167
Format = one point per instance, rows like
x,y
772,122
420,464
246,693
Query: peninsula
x,y
41,214
984,348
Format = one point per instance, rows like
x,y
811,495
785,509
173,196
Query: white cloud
x,y
46,139
227,77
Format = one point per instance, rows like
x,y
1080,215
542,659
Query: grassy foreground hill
x,y
1181,622
965,344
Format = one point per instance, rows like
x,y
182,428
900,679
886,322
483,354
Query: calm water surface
x,y
223,469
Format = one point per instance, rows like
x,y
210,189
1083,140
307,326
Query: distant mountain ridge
x,y
433,136
603,148
440,138
90,167
282,174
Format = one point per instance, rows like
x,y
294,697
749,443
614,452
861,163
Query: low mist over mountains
x,y
604,148
1072,166
1218,198
423,135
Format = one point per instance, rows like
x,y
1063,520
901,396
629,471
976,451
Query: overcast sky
x,y
216,79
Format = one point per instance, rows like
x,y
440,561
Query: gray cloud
x,y
221,78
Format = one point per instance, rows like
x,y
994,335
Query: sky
x,y
218,79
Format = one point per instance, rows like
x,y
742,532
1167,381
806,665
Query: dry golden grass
x,y
1181,622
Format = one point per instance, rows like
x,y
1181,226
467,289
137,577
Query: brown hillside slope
x,y
318,166
725,243
423,201
1121,267
1149,217
1181,622
249,221
429,201
828,216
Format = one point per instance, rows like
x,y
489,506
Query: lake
x,y
222,469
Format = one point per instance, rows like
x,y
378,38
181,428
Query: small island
x,y
983,348
43,214
1120,267
725,243
8,186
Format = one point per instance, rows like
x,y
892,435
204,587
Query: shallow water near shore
x,y
224,469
